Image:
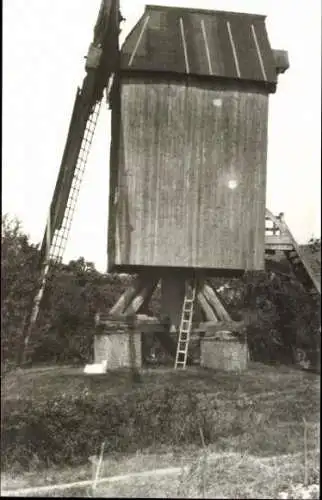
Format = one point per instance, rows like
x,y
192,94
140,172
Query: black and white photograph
x,y
161,249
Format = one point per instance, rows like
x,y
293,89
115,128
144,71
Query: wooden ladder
x,y
301,267
303,272
185,326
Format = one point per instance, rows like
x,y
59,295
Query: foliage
x,y
68,431
279,315
18,283
63,418
73,294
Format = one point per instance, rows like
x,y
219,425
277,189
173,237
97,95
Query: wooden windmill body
x,y
188,156
189,92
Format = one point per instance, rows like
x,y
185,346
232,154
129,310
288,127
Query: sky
x,y
44,44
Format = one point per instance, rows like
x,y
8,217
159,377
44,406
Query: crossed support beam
x,y
138,295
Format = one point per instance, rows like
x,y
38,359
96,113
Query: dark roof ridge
x,y
203,11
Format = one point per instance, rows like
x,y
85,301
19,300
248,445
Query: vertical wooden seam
x,y
203,28
184,45
232,43
138,41
261,62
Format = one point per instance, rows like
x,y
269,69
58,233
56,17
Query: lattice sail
x,y
60,237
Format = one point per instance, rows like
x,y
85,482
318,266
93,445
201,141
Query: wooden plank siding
x,y
180,142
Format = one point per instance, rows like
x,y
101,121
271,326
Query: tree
x,y
19,276
279,314
315,245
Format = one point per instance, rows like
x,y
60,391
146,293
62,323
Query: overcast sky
x,y
44,44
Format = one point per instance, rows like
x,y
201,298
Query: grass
x,y
272,400
259,381
228,475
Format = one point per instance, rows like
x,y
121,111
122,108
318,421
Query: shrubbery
x,y
67,431
280,315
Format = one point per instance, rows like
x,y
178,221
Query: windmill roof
x,y
200,42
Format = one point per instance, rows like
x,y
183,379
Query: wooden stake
x,y
204,466
99,464
305,453
132,354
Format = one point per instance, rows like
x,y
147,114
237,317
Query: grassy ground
x,y
225,475
253,464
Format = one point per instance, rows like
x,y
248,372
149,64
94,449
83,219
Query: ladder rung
x,y
59,240
185,327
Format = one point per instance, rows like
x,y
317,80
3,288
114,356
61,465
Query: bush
x,y
67,431
283,316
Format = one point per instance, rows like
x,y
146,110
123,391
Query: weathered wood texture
x,y
143,296
215,302
206,308
180,145
127,297
172,296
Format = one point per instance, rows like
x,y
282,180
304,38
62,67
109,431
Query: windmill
x,y
189,92
101,63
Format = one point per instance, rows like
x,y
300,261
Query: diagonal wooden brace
x,y
141,297
214,301
129,295
206,308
